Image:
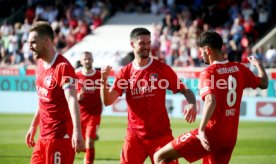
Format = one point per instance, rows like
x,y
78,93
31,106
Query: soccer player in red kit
x,y
58,112
221,88
90,103
145,81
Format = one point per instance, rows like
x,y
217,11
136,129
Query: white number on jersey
x,y
232,94
57,159
184,137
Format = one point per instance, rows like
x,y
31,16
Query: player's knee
x,y
157,157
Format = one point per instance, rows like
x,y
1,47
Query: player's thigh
x,y
134,152
167,153
60,151
221,156
38,154
91,127
188,146
160,143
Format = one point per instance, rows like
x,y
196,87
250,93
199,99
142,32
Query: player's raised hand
x,y
253,60
203,140
105,71
77,141
29,139
190,113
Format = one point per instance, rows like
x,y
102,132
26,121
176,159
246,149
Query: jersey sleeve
x,y
120,82
251,80
175,84
67,77
205,84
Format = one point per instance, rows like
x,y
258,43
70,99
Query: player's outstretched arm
x,y
107,96
29,138
77,140
261,71
190,110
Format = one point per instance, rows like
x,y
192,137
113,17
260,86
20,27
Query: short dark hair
x,y
43,29
87,53
135,33
211,39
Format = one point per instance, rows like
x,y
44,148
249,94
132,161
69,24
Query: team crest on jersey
x,y
154,76
49,82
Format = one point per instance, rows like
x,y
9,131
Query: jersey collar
x,y
90,74
144,67
47,66
220,62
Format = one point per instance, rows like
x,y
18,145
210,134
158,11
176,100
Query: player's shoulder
x,y
208,70
78,71
160,65
241,67
158,62
62,61
127,67
98,72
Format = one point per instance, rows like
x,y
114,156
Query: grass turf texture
x,y
256,141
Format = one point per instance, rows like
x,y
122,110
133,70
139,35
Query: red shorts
x,y
90,126
53,151
136,150
188,146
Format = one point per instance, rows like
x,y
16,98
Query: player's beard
x,y
88,67
38,52
205,58
143,54
36,55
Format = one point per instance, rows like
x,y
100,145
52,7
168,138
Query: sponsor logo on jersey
x,y
49,82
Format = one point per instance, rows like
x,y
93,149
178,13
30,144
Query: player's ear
x,y
132,44
47,40
208,50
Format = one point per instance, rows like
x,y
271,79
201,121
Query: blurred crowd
x,y
71,22
240,22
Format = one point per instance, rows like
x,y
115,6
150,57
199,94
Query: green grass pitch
x,y
256,141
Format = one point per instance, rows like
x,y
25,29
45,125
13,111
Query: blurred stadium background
x,y
103,26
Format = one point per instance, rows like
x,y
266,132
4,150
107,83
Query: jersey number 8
x,y
232,94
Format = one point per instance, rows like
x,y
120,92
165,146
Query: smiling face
x,y
36,44
141,46
86,61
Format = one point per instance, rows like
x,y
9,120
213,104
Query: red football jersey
x,y
145,89
226,80
55,118
90,85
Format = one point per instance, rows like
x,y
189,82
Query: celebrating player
x,y
145,81
58,111
221,87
